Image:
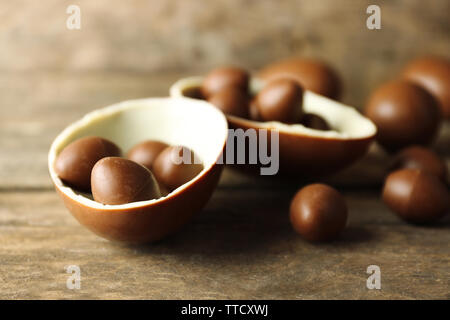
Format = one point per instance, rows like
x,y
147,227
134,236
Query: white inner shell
x,y
191,123
346,121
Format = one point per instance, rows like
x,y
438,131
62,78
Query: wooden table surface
x,y
241,246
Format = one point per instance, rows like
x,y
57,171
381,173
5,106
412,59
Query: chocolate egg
x,y
146,152
175,166
117,180
314,121
404,113
318,212
75,162
416,196
312,75
253,110
223,77
433,73
280,100
232,101
417,157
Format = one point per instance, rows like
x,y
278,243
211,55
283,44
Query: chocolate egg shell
x,y
312,75
172,120
280,100
432,73
224,77
318,212
146,152
175,166
304,152
404,113
116,180
75,162
417,157
416,196
232,101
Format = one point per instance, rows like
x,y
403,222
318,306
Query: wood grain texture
x,y
240,247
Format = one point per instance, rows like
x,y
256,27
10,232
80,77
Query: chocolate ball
x,y
146,152
232,101
175,166
311,74
314,121
417,157
75,162
432,73
318,212
280,100
117,180
416,196
223,77
404,113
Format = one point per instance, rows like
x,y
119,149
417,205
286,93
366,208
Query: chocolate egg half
x,y
75,162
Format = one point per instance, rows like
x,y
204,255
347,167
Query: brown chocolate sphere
x,y
280,100
312,75
146,152
117,180
417,157
432,73
75,162
175,166
404,113
314,121
232,101
223,77
416,196
318,212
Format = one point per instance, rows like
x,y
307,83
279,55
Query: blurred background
x,y
50,75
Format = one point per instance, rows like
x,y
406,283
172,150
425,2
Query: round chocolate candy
x,y
117,180
416,196
146,152
232,101
75,162
417,157
318,212
404,113
280,100
433,73
224,77
314,121
311,74
175,166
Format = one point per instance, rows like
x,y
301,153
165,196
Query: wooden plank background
x,y
241,245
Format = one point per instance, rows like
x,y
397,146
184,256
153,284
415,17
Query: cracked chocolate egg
x,y
303,151
169,120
